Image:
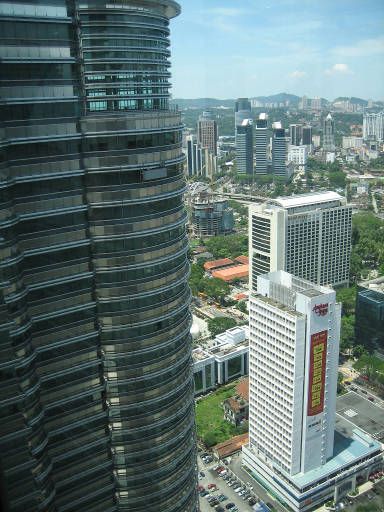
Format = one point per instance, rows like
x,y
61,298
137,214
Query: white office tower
x,y
298,156
279,151
329,134
308,235
299,449
261,141
293,358
373,126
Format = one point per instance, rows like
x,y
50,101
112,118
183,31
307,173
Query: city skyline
x,y
253,50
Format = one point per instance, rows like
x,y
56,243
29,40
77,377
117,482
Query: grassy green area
x,y
210,416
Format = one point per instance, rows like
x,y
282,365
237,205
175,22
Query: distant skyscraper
x,y
308,235
329,134
243,110
279,151
96,405
207,131
306,135
373,126
244,147
194,157
261,140
316,103
295,134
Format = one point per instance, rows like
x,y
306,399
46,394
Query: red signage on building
x,y
320,309
318,363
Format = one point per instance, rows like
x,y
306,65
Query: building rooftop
x,y
242,389
307,199
231,273
242,259
210,265
231,446
375,285
346,451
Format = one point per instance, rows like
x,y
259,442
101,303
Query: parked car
x,y
229,506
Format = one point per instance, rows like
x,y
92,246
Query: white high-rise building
x,y
299,449
293,358
298,155
308,235
373,126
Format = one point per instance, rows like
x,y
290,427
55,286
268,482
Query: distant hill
x,y
355,101
279,98
202,103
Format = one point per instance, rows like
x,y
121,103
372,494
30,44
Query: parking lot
x,y
222,488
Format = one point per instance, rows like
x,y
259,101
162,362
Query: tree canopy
x,y
219,325
229,246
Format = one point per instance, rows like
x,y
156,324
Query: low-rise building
x,y
225,359
236,408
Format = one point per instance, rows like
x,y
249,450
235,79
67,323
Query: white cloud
x,y
297,74
341,69
363,48
226,11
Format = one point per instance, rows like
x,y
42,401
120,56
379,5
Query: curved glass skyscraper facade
x,y
96,397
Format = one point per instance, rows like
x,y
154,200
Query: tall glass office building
x,y
96,398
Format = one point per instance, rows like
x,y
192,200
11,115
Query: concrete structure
x,y
207,132
224,360
294,450
96,401
295,134
370,314
261,142
373,126
244,147
308,235
279,151
211,217
298,156
329,134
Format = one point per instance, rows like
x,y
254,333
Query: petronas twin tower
x,y
96,397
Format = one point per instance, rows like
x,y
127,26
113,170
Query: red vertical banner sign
x,y
318,363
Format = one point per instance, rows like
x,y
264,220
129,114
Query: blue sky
x,y
234,48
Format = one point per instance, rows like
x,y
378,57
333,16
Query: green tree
x,y
219,325
195,279
210,439
229,246
215,288
347,296
347,335
242,306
